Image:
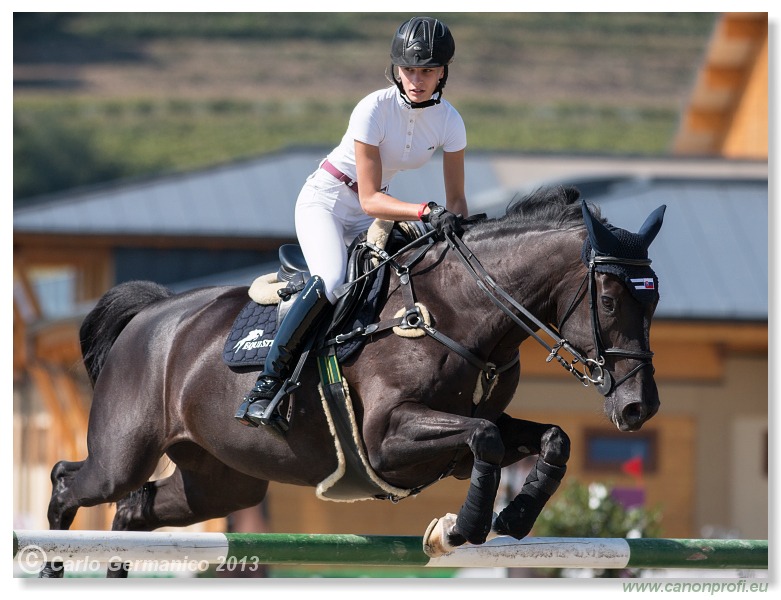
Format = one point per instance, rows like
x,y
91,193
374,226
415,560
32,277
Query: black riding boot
x,y
298,324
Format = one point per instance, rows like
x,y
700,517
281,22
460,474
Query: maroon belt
x,y
350,183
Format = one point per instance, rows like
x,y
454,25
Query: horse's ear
x,y
652,225
602,239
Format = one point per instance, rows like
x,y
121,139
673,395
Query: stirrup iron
x,y
277,420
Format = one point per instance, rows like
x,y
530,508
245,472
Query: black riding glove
x,y
443,221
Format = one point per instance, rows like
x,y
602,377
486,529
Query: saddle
x,y
271,296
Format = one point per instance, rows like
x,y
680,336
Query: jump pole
x,y
378,550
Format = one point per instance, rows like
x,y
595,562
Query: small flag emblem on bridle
x,y
644,283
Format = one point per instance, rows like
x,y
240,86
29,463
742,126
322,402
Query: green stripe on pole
x,y
654,553
407,550
370,550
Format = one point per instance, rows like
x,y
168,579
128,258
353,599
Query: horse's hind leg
x,y
60,515
187,497
204,489
110,472
551,444
89,483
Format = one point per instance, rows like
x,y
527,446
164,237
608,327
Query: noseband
x,y
597,374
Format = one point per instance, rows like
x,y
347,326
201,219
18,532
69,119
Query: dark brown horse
x,y
161,388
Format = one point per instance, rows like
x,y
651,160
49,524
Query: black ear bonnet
x,y
606,240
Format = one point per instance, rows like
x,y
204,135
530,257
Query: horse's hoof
x,y
435,540
51,571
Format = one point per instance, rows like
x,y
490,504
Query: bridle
x,y
604,380
594,371
597,374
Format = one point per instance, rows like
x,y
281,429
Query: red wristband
x,y
421,209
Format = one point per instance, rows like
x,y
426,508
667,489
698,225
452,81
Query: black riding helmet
x,y
422,42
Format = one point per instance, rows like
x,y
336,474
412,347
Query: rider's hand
x,y
443,221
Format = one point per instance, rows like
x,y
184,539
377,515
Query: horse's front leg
x,y
552,445
417,434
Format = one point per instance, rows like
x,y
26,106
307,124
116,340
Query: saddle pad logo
x,y
252,341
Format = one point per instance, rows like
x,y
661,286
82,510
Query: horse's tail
x,y
111,314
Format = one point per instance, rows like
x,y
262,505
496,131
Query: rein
x,y
501,298
598,375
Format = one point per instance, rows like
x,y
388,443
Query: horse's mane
x,y
546,208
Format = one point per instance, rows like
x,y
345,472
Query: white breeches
x,y
328,218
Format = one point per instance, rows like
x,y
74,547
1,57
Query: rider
x,y
391,130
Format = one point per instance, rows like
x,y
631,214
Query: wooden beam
x,y
77,411
709,120
63,433
682,351
736,337
732,78
24,295
20,344
58,343
691,362
48,250
50,244
744,25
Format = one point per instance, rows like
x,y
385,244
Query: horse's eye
x,y
608,303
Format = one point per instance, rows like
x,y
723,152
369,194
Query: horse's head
x,y
611,329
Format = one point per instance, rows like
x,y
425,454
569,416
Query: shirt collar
x,y
400,100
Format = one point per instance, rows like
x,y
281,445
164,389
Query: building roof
x,y
252,198
711,255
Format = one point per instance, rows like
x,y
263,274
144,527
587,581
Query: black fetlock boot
x,y
300,321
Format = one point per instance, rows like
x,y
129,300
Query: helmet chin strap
x,y
411,104
431,102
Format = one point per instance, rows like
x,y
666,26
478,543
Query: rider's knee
x,y
555,446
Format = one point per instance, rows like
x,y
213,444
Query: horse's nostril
x,y
634,413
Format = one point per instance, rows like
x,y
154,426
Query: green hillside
x,y
104,96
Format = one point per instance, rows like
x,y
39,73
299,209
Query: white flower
x,y
634,533
596,493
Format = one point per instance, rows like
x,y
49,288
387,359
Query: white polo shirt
x,y
407,137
